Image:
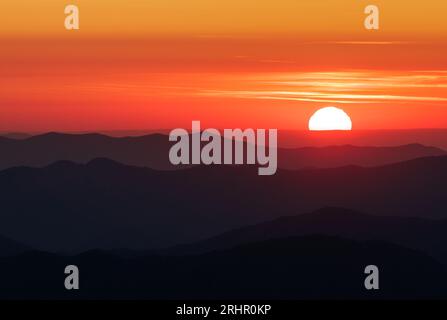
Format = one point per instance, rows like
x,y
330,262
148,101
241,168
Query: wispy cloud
x,y
367,42
344,87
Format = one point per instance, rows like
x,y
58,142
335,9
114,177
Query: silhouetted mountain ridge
x,y
153,151
344,155
15,135
422,234
10,247
311,267
119,206
41,150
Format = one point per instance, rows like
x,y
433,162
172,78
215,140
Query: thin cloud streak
x,y
343,87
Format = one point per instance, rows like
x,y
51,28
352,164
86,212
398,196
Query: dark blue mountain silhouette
x,y
423,234
293,268
10,247
104,204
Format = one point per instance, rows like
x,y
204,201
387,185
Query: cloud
x,y
344,87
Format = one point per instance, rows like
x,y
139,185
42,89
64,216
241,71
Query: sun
x,y
330,118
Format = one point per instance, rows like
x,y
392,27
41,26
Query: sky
x,y
163,63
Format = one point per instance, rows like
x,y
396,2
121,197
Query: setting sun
x,y
330,118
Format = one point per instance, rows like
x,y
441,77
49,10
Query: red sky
x,y
268,71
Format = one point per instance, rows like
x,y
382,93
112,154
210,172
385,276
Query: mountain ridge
x,y
423,234
153,151
119,206
311,267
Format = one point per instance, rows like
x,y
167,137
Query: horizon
x,y
292,139
166,130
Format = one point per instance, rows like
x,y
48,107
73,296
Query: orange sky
x,y
264,63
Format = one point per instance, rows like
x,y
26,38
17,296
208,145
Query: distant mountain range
x,y
16,135
153,151
104,204
436,137
422,234
311,267
10,247
138,229
339,156
38,151
428,137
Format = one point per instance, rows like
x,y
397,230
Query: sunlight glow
x,y
330,118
